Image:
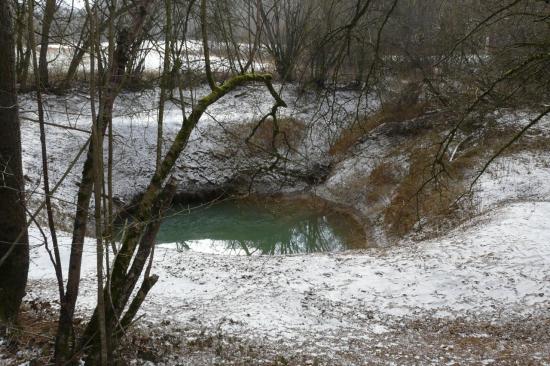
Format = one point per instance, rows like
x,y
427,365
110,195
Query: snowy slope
x,y
495,268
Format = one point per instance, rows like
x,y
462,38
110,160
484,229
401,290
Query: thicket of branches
x,y
466,57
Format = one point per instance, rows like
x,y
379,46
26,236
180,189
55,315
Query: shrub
x,y
381,181
288,133
390,112
419,197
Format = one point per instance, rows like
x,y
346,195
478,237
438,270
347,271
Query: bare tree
x,y
47,20
22,43
137,244
127,44
285,24
14,248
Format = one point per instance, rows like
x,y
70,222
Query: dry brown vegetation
x,y
402,192
409,197
34,335
389,113
265,136
381,181
414,199
440,203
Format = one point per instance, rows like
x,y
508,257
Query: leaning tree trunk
x,y
78,55
138,242
14,247
125,50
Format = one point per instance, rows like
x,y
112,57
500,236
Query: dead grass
x,y
393,112
409,199
435,203
420,198
286,134
381,181
383,174
32,339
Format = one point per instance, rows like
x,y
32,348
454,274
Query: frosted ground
x,y
479,294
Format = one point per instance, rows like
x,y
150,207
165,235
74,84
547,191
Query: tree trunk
x,y
47,20
79,53
140,236
23,48
116,320
14,248
126,44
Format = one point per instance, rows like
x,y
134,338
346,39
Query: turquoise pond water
x,y
252,228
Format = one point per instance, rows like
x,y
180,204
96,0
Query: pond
x,y
259,228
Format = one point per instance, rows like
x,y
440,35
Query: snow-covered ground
x,y
495,269
213,158
480,294
354,307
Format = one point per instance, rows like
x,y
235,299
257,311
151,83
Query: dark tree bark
x,y
47,20
139,239
78,55
14,248
126,43
23,58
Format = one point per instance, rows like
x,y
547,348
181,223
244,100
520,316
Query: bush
x,y
287,134
382,181
390,112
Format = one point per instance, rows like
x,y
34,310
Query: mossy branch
x,y
150,196
146,212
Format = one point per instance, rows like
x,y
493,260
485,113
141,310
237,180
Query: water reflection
x,y
249,228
